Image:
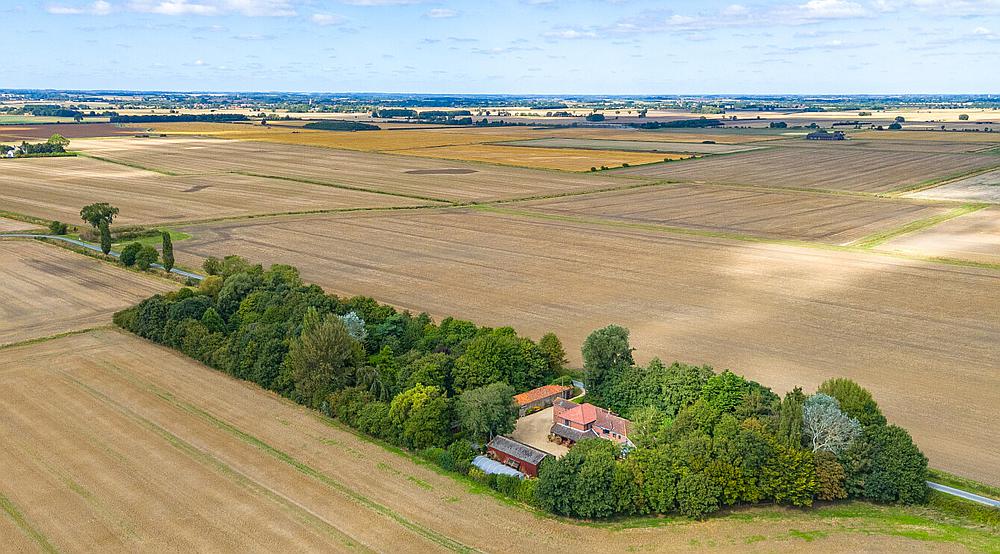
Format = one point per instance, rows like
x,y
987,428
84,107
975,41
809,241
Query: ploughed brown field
x,y
49,290
923,337
56,188
112,443
890,145
974,236
835,219
407,175
69,130
834,168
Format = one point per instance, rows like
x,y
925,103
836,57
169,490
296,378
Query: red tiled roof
x,y
539,393
582,414
586,414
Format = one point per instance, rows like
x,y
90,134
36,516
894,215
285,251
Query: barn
x,y
517,455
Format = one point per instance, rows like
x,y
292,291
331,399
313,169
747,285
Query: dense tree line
x,y
184,118
702,440
679,124
341,125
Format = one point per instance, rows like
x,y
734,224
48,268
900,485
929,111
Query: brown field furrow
x,y
974,236
7,225
933,136
449,180
785,316
833,168
32,133
56,188
889,145
124,380
565,159
49,290
773,214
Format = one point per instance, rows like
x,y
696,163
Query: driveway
x,y
533,430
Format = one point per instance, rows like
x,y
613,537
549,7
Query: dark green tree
x,y
552,347
790,418
323,358
605,352
487,411
168,252
146,257
854,400
105,237
94,214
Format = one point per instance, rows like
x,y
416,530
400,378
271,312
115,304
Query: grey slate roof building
x,y
518,450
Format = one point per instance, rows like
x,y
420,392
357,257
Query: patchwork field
x,y
405,175
112,443
945,136
783,315
974,237
48,290
632,145
984,187
68,130
566,159
821,168
834,219
56,188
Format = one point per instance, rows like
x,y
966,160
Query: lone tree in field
x,y
168,252
105,236
94,214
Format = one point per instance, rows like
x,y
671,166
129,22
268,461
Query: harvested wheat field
x,y
68,130
821,168
935,147
49,290
56,188
782,315
402,175
632,145
944,136
114,443
729,136
984,187
834,219
565,159
7,225
974,237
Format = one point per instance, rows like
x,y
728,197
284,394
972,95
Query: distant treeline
x,y
430,114
338,125
679,124
51,110
203,118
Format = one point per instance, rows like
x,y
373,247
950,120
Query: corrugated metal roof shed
x,y
493,467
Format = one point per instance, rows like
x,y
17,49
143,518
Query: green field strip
x,y
39,340
342,186
937,182
134,165
207,459
876,239
433,536
11,509
24,217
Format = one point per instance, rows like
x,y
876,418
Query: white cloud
x,y
97,8
570,34
326,19
735,9
382,2
441,13
831,9
250,8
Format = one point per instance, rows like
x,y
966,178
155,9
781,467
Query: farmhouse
x,y
572,423
822,134
540,398
517,455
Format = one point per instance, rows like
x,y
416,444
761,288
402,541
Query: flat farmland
x,y
834,219
974,236
783,315
941,136
889,145
56,188
7,225
565,159
984,187
632,145
820,168
68,130
406,175
48,290
112,443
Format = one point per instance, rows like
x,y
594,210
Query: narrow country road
x,y
966,495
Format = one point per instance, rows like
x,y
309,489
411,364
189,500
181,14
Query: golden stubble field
x,y
974,236
112,443
56,188
923,337
49,290
565,159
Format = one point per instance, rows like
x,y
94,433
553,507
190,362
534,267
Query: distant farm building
x,y
516,455
824,135
540,398
572,423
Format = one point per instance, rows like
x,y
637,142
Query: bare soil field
x,y
56,188
632,145
115,444
406,175
974,236
943,136
984,187
923,337
68,130
565,159
48,290
7,225
820,168
834,219
720,136
890,145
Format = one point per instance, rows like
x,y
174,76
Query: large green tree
x,y
605,352
105,236
854,400
94,214
499,355
168,252
487,411
420,417
323,358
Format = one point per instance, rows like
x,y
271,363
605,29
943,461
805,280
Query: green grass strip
x,y
25,218
931,183
435,537
343,186
871,241
39,340
209,460
130,164
11,510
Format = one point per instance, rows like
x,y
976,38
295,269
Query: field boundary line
x,y
623,188
430,534
332,211
207,459
947,179
134,165
342,186
882,237
39,340
21,521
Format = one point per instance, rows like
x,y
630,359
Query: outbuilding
x,y
516,455
540,398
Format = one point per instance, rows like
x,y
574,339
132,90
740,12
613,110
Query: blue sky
x,y
506,46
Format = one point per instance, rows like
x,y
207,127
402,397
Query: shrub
x,y
146,257
58,228
212,265
129,254
830,477
854,400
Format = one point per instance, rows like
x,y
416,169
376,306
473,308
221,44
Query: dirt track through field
x,y
49,290
119,444
923,337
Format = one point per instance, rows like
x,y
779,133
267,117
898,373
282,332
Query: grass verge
x,y
15,514
876,239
